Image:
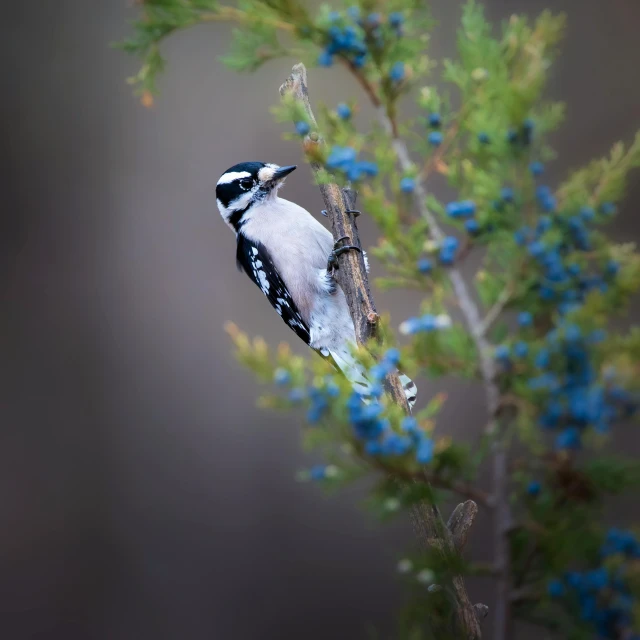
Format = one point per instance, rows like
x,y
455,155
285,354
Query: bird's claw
x,y
338,250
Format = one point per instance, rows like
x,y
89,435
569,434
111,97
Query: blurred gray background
x,y
142,494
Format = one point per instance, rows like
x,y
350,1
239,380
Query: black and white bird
x,y
289,255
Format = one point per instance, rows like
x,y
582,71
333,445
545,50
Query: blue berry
x,y
435,120
543,359
608,208
397,72
343,111
448,250
536,249
572,333
472,227
325,59
545,198
612,268
527,131
333,390
424,452
545,382
409,424
525,319
512,136
370,168
435,138
536,168
521,349
373,448
296,395
359,60
341,158
462,209
425,265
568,439
544,224
373,19
502,353
380,371
316,411
318,472
396,19
392,356
507,194
407,185
354,13
555,589
534,488
281,377
587,213
302,128
483,138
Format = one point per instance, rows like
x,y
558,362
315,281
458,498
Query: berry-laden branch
x,y
352,277
476,328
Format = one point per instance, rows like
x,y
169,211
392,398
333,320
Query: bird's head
x,y
246,184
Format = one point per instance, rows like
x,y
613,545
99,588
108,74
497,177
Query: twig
x,y
492,393
352,277
494,313
475,496
460,523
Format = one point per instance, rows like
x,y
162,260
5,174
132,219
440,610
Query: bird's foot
x,y
338,250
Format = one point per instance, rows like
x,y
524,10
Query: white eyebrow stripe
x,y
233,175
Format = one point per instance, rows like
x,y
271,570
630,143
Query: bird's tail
x,y
357,375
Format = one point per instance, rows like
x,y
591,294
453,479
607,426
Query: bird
x,y
291,257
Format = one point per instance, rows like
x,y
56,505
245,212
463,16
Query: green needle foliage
x,y
550,286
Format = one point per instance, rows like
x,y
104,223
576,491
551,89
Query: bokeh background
x,y
142,494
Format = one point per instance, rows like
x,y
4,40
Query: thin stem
x,y
436,157
225,13
494,313
462,489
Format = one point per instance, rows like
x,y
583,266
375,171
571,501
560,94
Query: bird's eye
x,y
246,183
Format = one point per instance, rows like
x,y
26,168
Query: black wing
x,y
254,259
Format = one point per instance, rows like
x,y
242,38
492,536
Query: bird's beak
x,y
283,172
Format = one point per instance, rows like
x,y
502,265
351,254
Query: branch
x,y
494,313
352,278
464,490
488,372
460,523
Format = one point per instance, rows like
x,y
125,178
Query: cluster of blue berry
x,y
446,255
522,135
318,396
518,137
345,160
573,398
351,35
464,209
562,280
367,420
603,594
435,136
